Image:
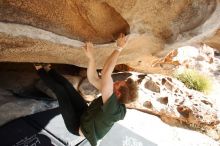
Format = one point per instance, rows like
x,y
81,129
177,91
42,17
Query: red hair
x,y
129,93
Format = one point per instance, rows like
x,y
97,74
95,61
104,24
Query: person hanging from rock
x,y
93,121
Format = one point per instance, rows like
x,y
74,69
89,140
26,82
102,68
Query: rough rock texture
x,y
84,20
36,31
175,101
201,58
214,41
194,57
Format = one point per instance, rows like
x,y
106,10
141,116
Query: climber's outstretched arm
x,y
91,70
107,81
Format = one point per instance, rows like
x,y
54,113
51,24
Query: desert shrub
x,y
195,80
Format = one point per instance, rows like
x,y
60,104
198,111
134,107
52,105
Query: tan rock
x,y
156,28
82,20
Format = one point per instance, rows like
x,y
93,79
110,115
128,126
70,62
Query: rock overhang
x,y
54,31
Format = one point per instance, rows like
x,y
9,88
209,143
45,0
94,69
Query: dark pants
x,y
71,103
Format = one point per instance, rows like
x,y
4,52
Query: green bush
x,y
195,80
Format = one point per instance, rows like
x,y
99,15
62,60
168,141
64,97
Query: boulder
x,y
31,32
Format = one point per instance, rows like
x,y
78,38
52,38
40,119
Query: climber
x,y
95,120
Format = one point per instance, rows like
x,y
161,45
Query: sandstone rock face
x,y
54,31
200,58
83,20
175,101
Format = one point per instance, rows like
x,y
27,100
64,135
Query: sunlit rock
x,y
54,31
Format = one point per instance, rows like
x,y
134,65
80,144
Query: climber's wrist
x,y
119,49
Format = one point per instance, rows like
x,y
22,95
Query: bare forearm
x,y
110,63
92,73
